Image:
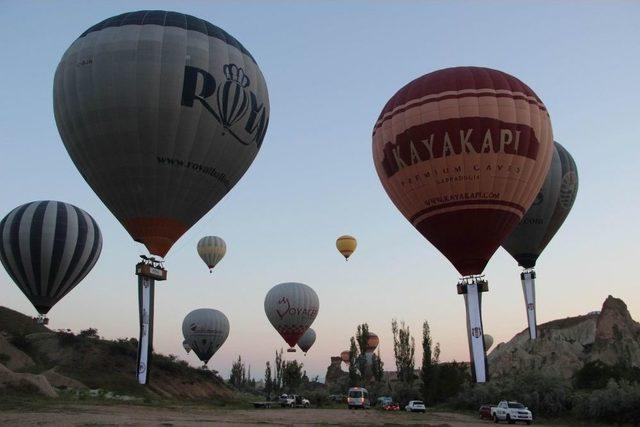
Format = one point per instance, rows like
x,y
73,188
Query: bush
x,y
618,402
543,395
89,333
596,375
403,392
67,338
21,343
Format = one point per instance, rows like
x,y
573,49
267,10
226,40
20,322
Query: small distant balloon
x,y
307,340
488,341
346,245
187,346
291,308
372,342
212,249
205,330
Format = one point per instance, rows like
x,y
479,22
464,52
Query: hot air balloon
x,y
48,247
306,341
162,113
372,342
346,246
346,357
291,308
211,249
462,153
205,330
186,346
541,222
488,341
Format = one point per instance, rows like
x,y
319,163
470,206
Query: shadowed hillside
x,y
35,358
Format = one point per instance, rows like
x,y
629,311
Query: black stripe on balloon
x,y
77,253
35,244
96,248
14,244
59,242
3,254
169,19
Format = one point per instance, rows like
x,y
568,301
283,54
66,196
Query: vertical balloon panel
x,y
146,288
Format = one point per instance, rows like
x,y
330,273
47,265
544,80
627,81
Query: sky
x,y
330,67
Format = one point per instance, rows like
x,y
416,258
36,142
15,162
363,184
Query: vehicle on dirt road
x,y
358,397
415,406
293,401
391,407
511,412
384,401
485,412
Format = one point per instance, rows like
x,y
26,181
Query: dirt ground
x,y
128,415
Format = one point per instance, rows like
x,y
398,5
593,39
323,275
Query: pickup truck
x,y
293,400
511,412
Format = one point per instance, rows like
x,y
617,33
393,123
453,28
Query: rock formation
x,y
564,346
334,371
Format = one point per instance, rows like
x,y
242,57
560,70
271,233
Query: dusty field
x,y
144,416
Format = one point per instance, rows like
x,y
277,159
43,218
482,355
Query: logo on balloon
x,y
476,332
311,313
237,108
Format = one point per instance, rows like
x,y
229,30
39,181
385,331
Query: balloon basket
x,y
291,350
41,320
472,287
528,278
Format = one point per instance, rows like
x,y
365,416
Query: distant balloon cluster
x,y
162,113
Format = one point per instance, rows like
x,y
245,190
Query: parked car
x,y
358,397
511,412
391,407
485,412
337,398
384,401
293,400
415,406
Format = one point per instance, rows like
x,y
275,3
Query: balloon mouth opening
x,y
157,234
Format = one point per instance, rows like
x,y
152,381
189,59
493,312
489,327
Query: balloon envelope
x,y
372,342
547,213
48,247
307,340
462,153
346,245
186,346
205,330
212,249
291,308
162,113
488,341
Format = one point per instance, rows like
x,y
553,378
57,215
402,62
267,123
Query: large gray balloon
x,y
551,207
48,247
162,113
205,330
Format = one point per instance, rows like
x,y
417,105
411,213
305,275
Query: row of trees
x,y
364,366
289,376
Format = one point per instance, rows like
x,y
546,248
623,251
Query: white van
x,y
358,397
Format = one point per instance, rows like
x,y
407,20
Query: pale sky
x,y
330,67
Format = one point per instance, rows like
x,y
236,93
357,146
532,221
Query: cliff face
x,y
334,371
565,345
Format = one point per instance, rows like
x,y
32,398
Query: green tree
x,y
292,375
429,365
362,337
354,378
268,382
378,367
237,378
277,386
404,348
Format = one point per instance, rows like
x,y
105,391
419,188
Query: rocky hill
x,y
564,346
37,359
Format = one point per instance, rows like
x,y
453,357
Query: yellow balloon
x,y
346,245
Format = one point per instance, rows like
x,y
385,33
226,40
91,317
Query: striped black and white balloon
x,y
211,249
48,247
